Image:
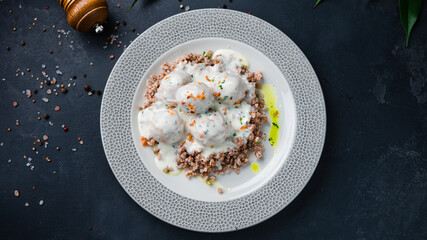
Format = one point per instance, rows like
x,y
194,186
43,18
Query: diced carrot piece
x,y
191,96
190,137
144,141
238,102
201,96
191,107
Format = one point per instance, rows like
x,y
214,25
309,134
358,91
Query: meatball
x,y
194,97
209,128
167,126
170,84
229,89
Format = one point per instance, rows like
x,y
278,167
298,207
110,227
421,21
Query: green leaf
x,y
409,12
317,3
132,5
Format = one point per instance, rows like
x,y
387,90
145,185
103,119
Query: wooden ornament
x,y
85,15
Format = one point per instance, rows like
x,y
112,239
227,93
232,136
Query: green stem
x,y
132,5
317,3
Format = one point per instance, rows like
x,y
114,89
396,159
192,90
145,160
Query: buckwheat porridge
x,y
202,114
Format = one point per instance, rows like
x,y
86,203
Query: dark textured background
x,y
371,181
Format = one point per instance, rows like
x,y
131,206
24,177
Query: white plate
x,y
248,198
234,186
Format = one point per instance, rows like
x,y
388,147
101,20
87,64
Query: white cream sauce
x,y
223,110
234,58
167,157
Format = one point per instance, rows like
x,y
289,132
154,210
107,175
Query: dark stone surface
x,y
371,182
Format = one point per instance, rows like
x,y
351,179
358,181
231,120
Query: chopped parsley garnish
x,y
203,53
192,76
236,106
241,123
220,86
275,124
234,134
223,99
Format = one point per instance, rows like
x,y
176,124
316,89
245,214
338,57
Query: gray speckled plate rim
x,y
316,101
